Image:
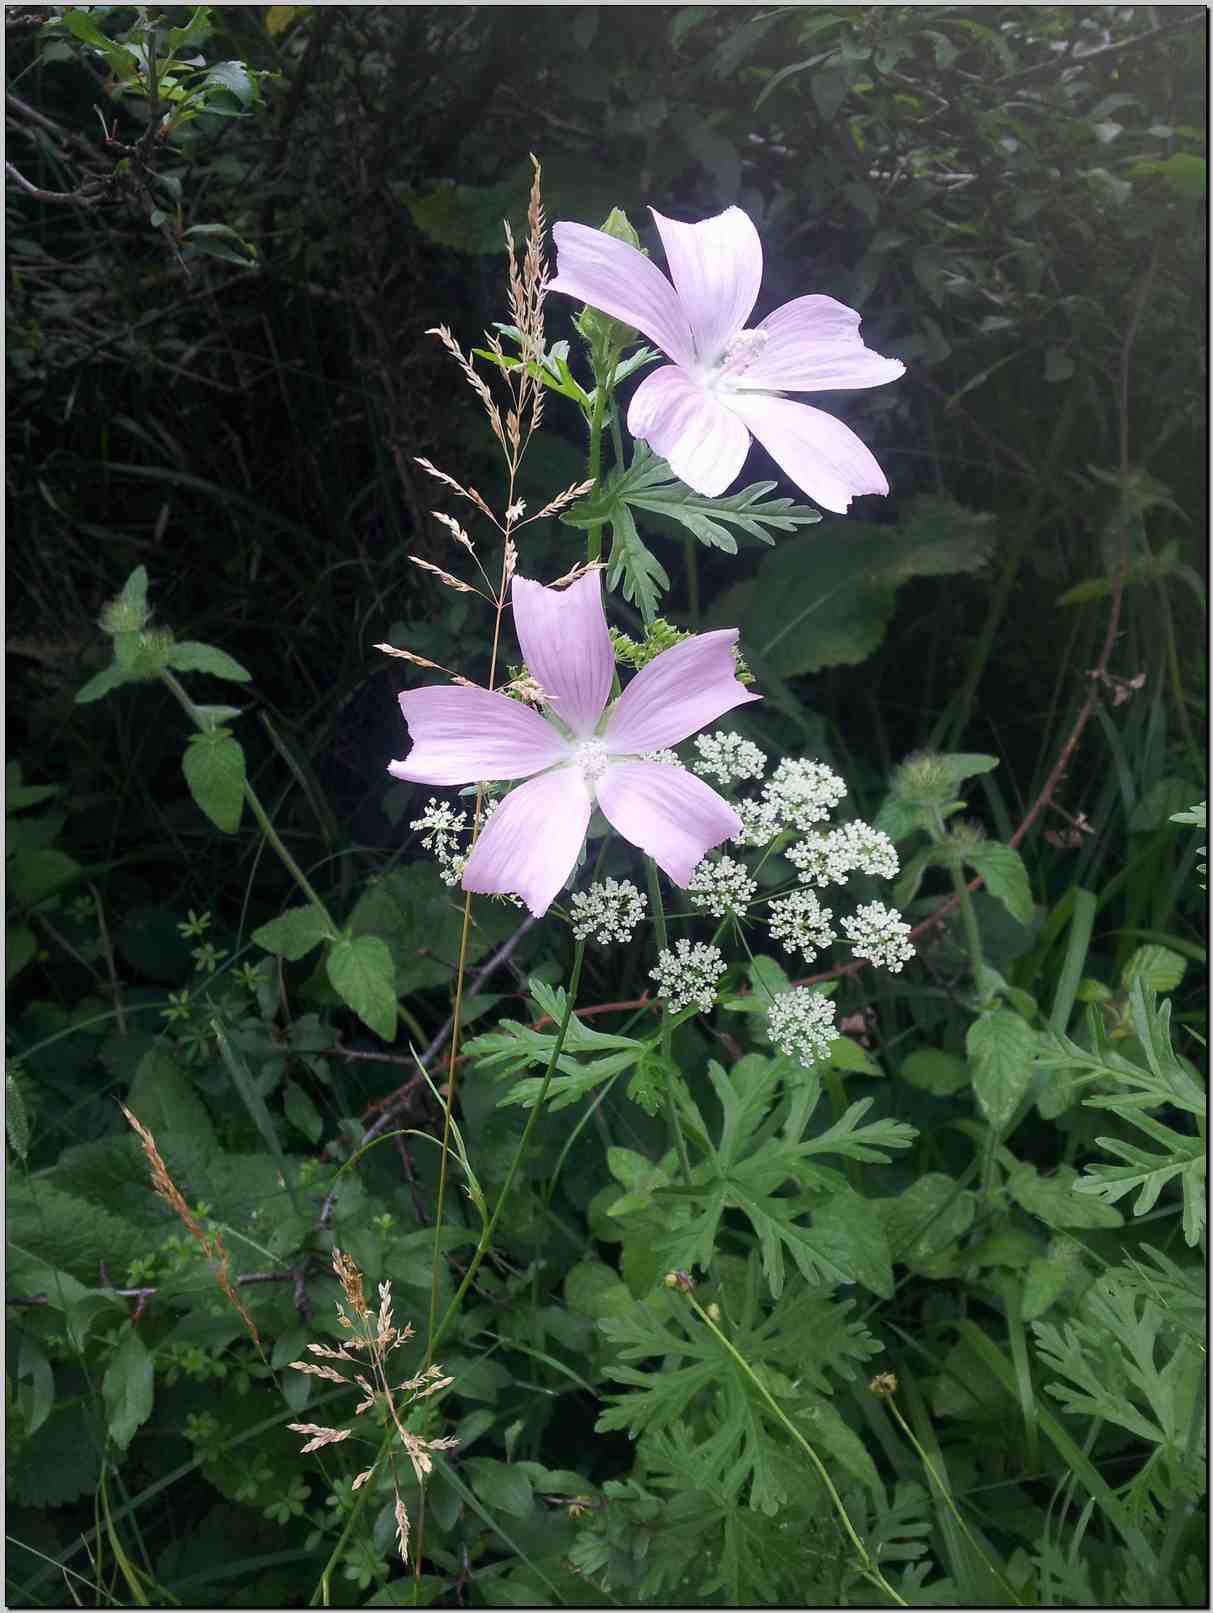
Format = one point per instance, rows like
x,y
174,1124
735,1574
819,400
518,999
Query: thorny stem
x,y
667,1031
255,806
867,1567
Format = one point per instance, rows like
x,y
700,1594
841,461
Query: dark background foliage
x,y
1013,196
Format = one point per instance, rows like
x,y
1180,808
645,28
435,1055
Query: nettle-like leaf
x,y
748,1167
214,770
512,1048
1001,1048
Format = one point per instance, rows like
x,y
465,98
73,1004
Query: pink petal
x,y
814,346
814,450
622,282
529,846
667,812
716,267
677,694
688,426
463,735
567,649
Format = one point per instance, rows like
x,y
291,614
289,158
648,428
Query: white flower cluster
x,y
608,911
441,827
880,934
688,975
667,758
803,793
759,823
830,859
723,886
728,758
801,1024
801,923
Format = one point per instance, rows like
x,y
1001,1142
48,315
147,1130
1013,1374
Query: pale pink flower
x,y
726,380
583,753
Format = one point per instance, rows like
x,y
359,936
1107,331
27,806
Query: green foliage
x,y
998,1133
827,599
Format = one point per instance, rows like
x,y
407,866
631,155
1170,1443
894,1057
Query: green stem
x,y
667,1030
482,1248
946,1494
486,1237
867,1566
255,806
691,551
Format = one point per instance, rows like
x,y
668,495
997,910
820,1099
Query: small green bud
x,y
966,835
619,227
925,776
124,615
608,337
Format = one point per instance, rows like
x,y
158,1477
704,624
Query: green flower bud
x,y
925,776
965,835
123,615
606,336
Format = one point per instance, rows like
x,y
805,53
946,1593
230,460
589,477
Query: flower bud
x,y
925,776
605,335
123,615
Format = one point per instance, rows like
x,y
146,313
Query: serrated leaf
x,y
651,485
1001,1049
128,1388
35,1384
928,1220
190,656
1053,1199
361,972
293,934
213,765
633,568
1157,967
1002,869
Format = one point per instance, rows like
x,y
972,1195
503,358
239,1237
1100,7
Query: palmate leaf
x,y
513,1047
1150,1173
843,1239
740,1447
1117,1364
651,485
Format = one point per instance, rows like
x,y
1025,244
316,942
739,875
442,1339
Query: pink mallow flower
x,y
726,380
583,754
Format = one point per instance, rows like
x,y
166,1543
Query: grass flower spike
x,y
581,753
726,380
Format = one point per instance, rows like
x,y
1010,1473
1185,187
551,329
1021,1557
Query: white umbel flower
x,y
802,924
880,934
608,911
442,827
760,823
830,859
802,792
722,886
801,1025
689,975
728,758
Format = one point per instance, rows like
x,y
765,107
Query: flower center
x,y
739,356
590,755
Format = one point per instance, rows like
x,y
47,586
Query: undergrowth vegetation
x,y
820,1224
